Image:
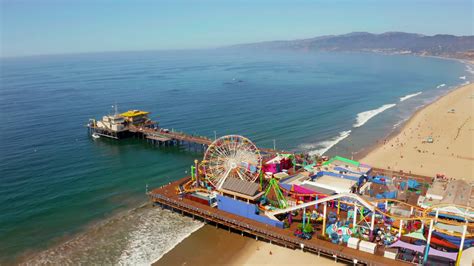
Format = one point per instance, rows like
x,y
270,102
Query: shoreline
x,y
224,247
211,241
396,140
70,238
255,252
365,152
396,131
250,249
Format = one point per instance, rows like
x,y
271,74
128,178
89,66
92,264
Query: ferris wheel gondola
x,y
231,156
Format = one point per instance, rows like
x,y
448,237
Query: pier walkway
x,y
178,137
167,197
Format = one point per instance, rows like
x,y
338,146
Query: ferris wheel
x,y
231,156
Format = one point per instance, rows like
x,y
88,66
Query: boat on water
x,y
95,136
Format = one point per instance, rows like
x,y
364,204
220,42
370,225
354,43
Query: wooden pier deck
x,y
165,136
158,138
167,197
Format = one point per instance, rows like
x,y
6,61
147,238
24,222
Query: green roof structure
x,y
342,159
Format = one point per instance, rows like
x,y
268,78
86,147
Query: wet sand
x,y
208,245
212,246
451,153
449,123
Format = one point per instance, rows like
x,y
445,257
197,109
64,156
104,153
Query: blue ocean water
x,y
56,181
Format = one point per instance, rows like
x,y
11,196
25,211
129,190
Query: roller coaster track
x,y
425,213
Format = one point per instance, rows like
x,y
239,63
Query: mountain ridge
x,y
442,45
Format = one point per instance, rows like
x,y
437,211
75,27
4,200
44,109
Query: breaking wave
x,y
322,147
363,117
152,238
400,123
406,97
139,237
462,77
440,86
469,69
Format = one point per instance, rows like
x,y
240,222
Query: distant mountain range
x,y
442,45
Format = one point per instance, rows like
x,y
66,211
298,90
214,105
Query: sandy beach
x,y
212,246
448,121
438,139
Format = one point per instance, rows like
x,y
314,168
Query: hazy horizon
x,y
195,49
62,27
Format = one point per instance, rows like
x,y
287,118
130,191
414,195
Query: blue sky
x,y
31,27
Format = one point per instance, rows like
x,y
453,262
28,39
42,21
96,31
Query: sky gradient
x,y
33,27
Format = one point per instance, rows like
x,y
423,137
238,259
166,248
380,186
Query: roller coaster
x,y
231,158
418,213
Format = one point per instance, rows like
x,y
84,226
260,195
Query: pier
x,y
161,137
167,198
135,123
337,208
171,138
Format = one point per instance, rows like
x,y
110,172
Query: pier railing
x,y
270,234
181,136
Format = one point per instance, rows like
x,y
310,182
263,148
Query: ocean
x,y
66,198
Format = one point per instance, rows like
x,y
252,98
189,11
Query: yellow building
x,y
136,117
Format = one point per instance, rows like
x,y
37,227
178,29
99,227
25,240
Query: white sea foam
x,y
463,77
440,86
469,69
406,97
400,123
137,237
363,117
153,237
323,146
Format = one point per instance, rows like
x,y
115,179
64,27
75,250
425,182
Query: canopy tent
x,y
456,240
421,249
442,242
448,227
401,244
453,240
457,212
417,234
